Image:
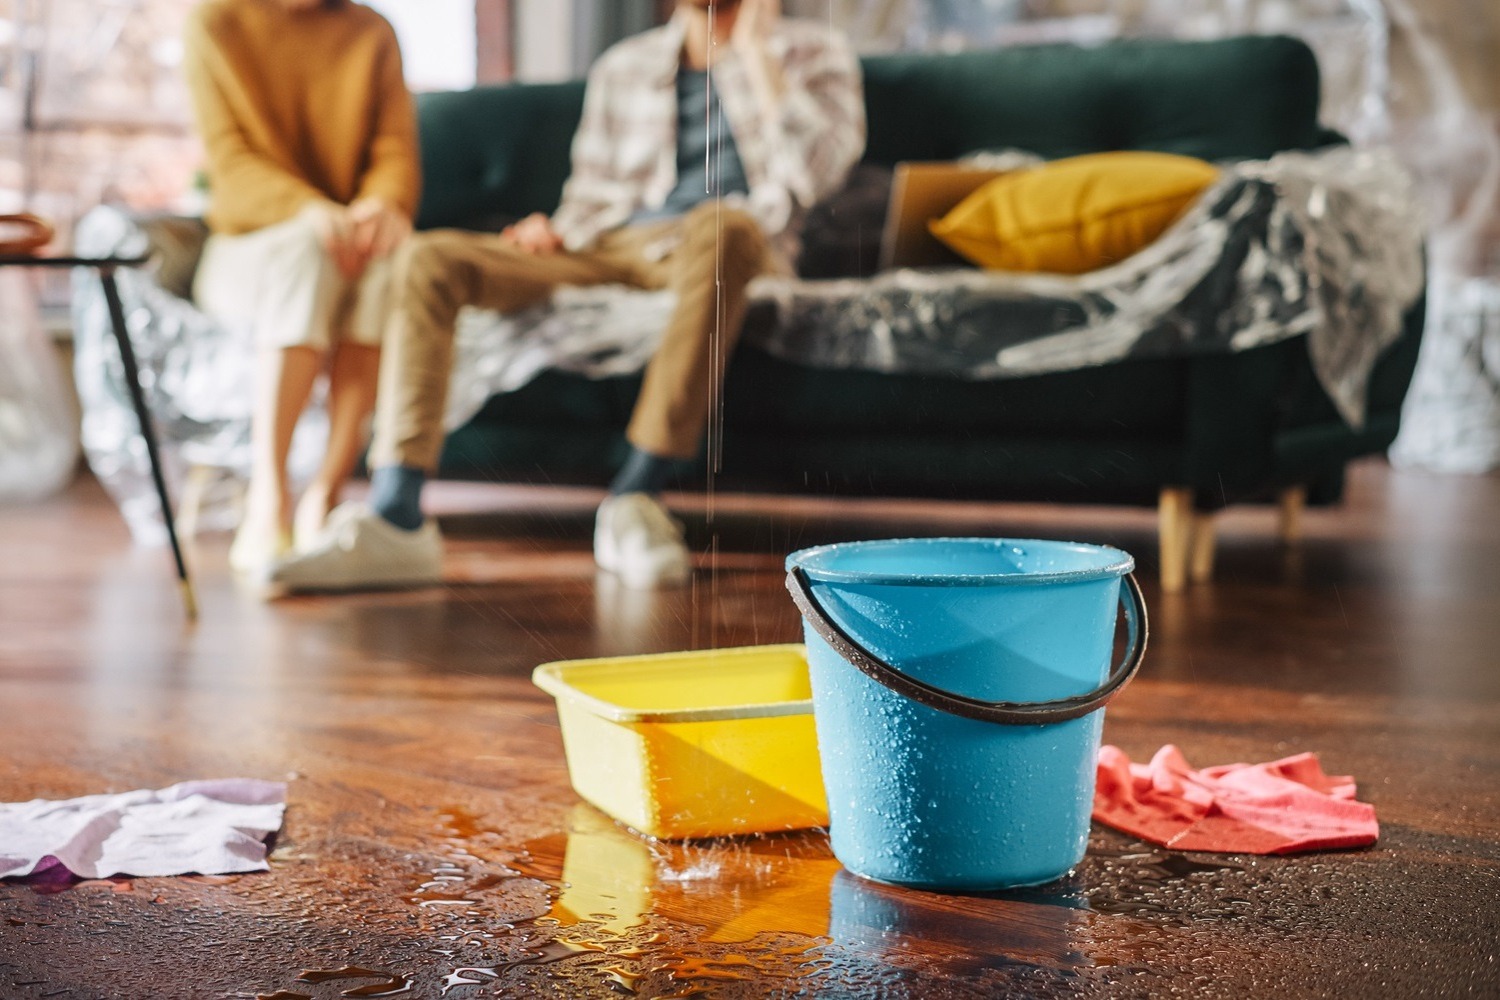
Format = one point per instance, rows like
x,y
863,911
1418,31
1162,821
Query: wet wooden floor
x,y
433,846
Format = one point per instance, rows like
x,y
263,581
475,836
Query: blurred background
x,y
93,110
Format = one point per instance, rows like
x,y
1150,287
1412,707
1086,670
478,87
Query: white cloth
x,y
207,827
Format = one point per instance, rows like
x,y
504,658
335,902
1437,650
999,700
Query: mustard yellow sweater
x,y
299,105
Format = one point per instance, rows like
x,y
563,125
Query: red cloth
x,y
1285,806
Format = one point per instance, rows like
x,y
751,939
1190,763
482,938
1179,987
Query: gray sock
x,y
396,495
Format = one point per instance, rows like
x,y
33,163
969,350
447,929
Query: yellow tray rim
x,y
552,678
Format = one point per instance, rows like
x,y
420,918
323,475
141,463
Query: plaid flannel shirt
x,y
625,150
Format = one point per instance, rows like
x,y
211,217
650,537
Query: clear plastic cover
x,y
1451,420
196,376
38,446
1327,244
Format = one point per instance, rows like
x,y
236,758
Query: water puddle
x,y
468,896
621,980
387,984
390,986
464,976
1158,885
596,910
666,919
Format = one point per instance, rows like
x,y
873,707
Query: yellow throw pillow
x,y
1074,215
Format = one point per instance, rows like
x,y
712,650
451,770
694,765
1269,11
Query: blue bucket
x,y
958,687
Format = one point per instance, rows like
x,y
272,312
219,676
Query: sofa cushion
x,y
495,153
841,237
1074,215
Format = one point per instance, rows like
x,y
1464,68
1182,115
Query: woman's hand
x,y
376,228
335,230
356,234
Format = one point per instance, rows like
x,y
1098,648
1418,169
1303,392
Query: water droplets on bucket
x,y
958,687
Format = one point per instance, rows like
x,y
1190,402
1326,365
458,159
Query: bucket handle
x,y
1010,713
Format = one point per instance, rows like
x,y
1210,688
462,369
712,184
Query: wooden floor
x,y
434,848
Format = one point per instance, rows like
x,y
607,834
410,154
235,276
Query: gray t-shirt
x,y
708,163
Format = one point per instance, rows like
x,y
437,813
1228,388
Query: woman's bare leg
x,y
352,378
284,381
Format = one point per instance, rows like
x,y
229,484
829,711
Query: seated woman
x,y
314,177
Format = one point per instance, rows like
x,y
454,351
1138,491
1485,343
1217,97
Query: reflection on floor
x,y
434,846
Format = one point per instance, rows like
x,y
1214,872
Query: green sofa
x,y
1189,433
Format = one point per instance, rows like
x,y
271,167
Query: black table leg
x,y
148,431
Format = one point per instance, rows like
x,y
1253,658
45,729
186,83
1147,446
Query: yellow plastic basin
x,y
700,744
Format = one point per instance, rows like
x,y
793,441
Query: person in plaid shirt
x,y
702,145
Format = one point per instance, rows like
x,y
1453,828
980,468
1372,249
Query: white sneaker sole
x,y
382,581
673,573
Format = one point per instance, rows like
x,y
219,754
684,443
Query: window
x,y
437,41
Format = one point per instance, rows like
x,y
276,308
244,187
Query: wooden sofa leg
x,y
1201,568
1175,527
1293,502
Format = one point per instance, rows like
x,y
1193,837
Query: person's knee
x,y
741,231
726,226
423,268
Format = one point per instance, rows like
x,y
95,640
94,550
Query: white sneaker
x,y
361,550
636,539
309,521
255,553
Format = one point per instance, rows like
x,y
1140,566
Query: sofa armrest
x,y
175,243
1260,420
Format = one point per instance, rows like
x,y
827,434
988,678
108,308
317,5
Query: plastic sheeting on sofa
x,y
38,450
1327,244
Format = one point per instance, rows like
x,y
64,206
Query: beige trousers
x,y
281,284
719,250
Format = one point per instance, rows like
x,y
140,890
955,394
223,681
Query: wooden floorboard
x,y
433,836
